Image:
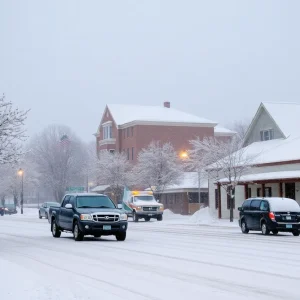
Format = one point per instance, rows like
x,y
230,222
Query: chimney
x,y
167,104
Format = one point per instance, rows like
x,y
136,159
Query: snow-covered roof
x,y
268,152
189,181
124,114
223,131
282,175
100,188
278,204
286,116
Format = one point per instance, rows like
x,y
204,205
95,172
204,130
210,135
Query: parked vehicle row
x,y
8,209
88,214
44,209
270,215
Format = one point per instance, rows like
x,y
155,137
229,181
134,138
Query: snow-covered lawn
x,y
173,259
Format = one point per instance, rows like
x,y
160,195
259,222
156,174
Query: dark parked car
x,y
88,214
44,209
11,208
270,214
2,210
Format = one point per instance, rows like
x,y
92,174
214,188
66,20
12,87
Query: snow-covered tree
x,y
229,162
196,161
158,166
10,181
115,170
59,156
240,127
90,168
11,132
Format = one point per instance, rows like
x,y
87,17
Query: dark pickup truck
x,y
88,214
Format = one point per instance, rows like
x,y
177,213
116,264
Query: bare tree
x,y
11,132
158,166
10,181
59,156
230,162
90,168
115,170
196,161
241,127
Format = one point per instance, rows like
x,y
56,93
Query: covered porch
x,y
272,184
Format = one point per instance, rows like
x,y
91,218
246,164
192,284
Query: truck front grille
x,y
149,208
106,218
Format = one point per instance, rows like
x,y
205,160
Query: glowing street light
x,y
21,174
184,155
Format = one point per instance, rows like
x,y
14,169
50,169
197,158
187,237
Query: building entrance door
x,y
290,190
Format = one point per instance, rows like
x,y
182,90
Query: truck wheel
x,y
55,230
135,217
40,215
147,219
159,217
121,236
77,233
296,233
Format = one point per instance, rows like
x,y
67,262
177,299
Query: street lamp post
x,y
21,174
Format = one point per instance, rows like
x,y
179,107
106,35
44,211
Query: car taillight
x,y
272,216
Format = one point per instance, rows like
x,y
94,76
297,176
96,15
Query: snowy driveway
x,y
159,260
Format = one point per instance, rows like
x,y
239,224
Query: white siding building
x,y
273,139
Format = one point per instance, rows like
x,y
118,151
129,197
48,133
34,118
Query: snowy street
x,y
173,259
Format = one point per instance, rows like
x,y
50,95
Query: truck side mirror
x,y
68,206
240,208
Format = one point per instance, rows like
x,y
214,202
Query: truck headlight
x,y
161,207
123,217
138,208
86,217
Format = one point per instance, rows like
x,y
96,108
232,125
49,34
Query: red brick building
x,y
130,128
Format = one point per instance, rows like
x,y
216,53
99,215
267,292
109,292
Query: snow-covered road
x,y
159,260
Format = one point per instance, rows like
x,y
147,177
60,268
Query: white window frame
x,y
107,131
266,135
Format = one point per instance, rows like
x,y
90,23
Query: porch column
x,y
246,191
263,187
220,202
280,190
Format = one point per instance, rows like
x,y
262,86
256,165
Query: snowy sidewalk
x,y
200,218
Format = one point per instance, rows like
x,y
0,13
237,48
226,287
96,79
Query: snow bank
x,y
168,212
202,216
27,213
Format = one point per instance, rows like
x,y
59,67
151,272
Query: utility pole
x,y
199,187
21,173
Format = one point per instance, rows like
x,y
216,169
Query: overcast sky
x,y
217,59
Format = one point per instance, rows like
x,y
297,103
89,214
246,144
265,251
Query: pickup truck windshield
x,y
94,202
143,198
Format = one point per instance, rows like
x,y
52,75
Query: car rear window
x,y
284,205
246,204
255,205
